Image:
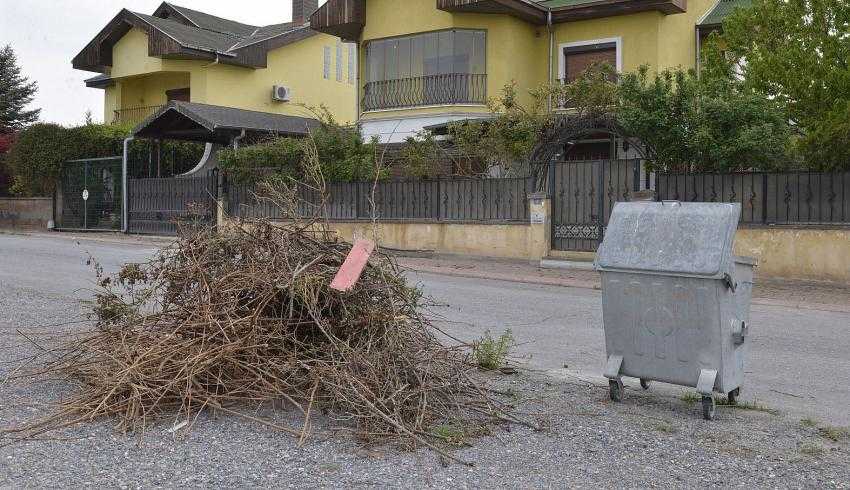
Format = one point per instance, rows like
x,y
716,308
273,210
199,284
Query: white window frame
x,y
562,62
326,62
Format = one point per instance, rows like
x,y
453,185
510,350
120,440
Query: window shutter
x,y
327,63
352,63
338,62
578,61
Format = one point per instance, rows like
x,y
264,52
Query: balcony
x,y
134,115
451,88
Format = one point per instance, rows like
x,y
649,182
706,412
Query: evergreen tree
x,y
16,92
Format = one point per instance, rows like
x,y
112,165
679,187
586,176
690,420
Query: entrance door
x,y
583,194
89,195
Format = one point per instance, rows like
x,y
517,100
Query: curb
x,y
545,281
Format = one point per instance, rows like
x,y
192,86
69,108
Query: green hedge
x,y
342,154
36,158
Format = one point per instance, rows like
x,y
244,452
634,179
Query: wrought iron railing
x,y
134,115
770,198
452,88
457,200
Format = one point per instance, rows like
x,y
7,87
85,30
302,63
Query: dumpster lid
x,y
670,237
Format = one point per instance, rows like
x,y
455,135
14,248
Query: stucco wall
x,y
797,253
25,212
806,254
142,80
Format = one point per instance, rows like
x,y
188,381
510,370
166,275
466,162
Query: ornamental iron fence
x,y
451,88
767,198
461,200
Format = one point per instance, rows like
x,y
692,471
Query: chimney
x,y
303,9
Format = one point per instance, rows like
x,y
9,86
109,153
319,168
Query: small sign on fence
x,y
85,194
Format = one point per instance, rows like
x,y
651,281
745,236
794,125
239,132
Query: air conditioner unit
x,y
281,93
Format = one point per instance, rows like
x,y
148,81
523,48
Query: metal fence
x,y
157,206
445,200
811,198
88,196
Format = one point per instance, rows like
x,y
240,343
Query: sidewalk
x,y
778,292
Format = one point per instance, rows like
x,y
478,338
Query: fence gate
x,y
158,205
583,194
89,195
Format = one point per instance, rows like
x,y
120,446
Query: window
x,y
338,61
578,57
352,63
435,53
326,66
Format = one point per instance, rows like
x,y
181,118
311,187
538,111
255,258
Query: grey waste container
x,y
675,299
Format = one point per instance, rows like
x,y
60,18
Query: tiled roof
x,y
192,37
722,10
213,23
219,124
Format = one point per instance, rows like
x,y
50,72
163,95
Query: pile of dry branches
x,y
224,320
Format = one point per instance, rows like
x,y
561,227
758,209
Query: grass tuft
x,y
491,354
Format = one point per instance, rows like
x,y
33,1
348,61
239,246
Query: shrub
x,y
490,353
342,153
36,158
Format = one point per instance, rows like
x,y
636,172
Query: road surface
x,y
799,359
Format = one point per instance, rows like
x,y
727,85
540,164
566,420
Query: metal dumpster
x,y
675,301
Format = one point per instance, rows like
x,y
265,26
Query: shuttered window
x,y
327,63
339,62
579,58
352,63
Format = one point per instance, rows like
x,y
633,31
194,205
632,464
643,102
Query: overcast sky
x,y
47,34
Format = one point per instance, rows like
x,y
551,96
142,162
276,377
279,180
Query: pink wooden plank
x,y
353,266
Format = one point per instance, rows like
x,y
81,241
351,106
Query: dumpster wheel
x,y
616,389
644,383
708,407
733,396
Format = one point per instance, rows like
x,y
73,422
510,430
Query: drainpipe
x,y
125,201
551,54
237,139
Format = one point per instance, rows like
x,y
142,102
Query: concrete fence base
x,y
782,252
25,212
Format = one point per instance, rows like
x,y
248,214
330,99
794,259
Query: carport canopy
x,y
191,121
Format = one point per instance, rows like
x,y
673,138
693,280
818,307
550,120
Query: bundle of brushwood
x,y
226,319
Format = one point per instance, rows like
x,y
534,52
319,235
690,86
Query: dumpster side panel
x,y
666,328
736,312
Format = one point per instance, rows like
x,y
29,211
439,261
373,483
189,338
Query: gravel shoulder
x,y
651,439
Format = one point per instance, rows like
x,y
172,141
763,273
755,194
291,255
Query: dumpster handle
x,y
730,282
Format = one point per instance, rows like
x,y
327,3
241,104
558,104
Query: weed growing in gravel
x,y
450,434
811,449
490,353
808,422
754,405
690,397
833,433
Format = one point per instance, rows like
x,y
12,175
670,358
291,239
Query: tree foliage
x,y
709,124
796,51
36,157
342,153
16,93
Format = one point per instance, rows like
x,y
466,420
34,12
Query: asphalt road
x,y
799,360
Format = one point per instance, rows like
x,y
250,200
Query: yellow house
x,y
426,62
179,54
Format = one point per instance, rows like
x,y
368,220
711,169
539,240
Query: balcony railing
x,y
134,115
452,88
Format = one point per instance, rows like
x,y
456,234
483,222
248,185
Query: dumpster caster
x,y
733,395
708,407
644,383
616,389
